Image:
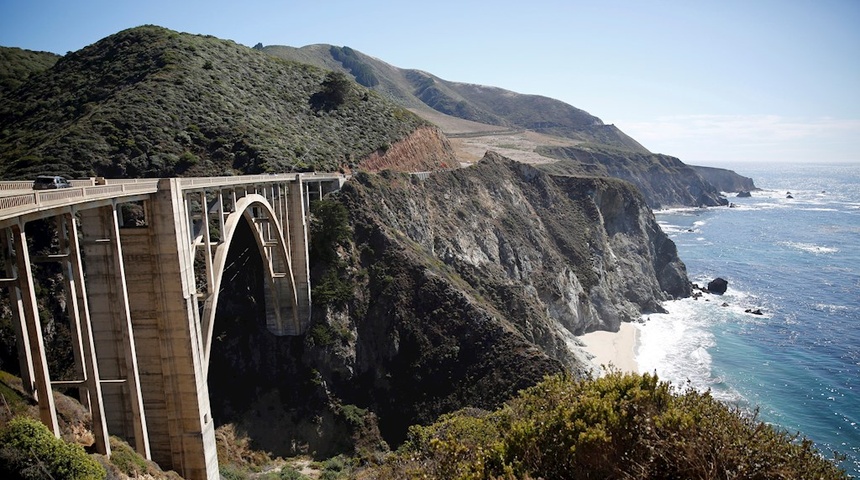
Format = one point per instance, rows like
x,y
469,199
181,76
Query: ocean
x,y
798,261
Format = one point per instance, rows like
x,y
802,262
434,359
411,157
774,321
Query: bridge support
x,y
84,343
298,242
112,329
27,324
167,330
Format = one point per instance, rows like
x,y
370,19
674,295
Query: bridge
x,y
142,264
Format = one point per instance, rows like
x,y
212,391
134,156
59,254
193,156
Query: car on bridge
x,y
49,182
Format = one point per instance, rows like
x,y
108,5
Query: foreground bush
x,y
620,426
28,450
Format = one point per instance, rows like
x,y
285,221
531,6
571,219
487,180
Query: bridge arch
x,y
282,310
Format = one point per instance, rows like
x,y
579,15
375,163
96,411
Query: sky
x,y
718,83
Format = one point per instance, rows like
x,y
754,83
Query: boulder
x,y
718,286
744,194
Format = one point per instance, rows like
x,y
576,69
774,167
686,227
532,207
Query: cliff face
x,y
472,284
663,180
423,150
725,180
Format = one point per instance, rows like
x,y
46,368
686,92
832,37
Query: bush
x,y
30,451
619,426
127,460
290,473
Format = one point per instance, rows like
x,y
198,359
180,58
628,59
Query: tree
x,y
335,89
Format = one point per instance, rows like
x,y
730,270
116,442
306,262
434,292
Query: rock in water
x,y
718,286
744,194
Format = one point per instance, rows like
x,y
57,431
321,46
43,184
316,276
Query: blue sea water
x,y
798,260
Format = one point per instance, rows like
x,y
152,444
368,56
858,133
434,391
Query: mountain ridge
x,y
530,128
413,88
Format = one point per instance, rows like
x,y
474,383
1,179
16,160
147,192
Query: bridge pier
x,y
27,324
84,344
167,328
112,330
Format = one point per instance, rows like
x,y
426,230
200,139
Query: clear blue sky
x,y
713,82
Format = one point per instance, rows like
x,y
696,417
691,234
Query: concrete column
x,y
26,295
167,324
19,323
112,330
73,309
90,364
298,240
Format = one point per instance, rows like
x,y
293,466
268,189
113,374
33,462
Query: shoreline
x,y
615,349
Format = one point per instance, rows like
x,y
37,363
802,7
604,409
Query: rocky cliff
x,y
725,180
664,180
471,284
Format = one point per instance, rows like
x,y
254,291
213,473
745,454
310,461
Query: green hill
x,y
149,102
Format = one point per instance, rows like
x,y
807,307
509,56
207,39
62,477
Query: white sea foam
x,y
676,344
671,344
809,247
819,209
670,229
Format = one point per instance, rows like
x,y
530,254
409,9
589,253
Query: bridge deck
x,y
17,201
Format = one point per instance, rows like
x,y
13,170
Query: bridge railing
x,y
94,189
16,185
14,205
189,183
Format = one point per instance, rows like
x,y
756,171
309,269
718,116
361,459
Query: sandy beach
x,y
613,348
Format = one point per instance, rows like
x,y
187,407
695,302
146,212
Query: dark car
x,y
47,182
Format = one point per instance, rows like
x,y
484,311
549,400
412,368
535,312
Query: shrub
x,y
232,472
290,473
30,451
127,460
618,426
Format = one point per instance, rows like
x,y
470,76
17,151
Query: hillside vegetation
x,y
620,427
150,102
17,65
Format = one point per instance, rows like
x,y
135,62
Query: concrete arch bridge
x,y
141,296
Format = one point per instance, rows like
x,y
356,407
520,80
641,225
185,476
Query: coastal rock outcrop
x,y
725,180
718,285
